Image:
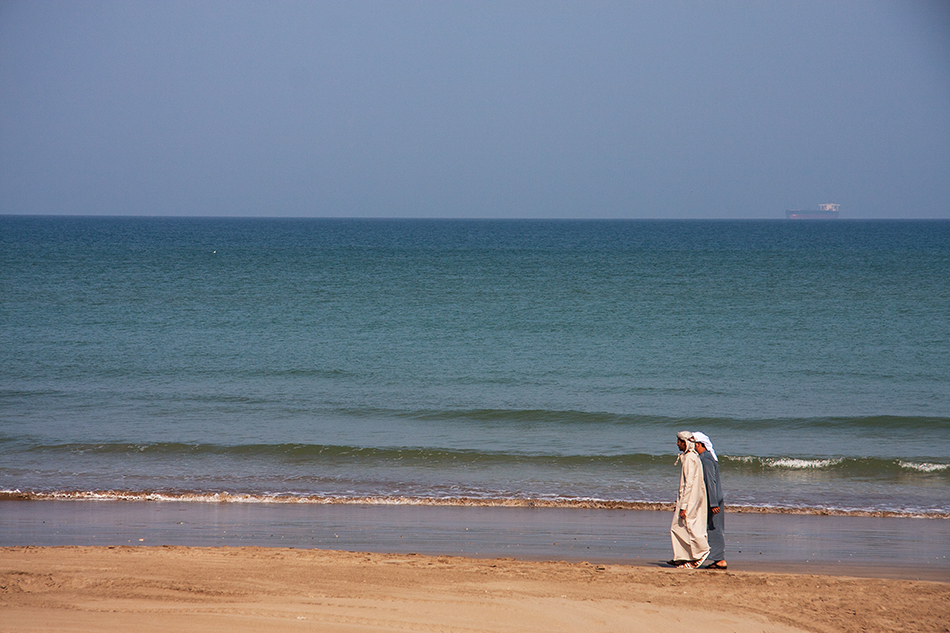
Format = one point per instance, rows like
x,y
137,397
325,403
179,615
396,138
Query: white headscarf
x,y
687,437
702,437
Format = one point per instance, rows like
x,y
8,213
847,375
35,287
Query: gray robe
x,y
715,523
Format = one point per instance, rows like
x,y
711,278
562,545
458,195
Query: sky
x,y
489,109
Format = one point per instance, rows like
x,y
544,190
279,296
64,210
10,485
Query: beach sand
x,y
138,566
277,589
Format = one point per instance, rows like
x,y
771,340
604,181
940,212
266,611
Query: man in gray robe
x,y
715,516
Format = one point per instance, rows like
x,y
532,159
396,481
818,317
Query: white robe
x,y
689,536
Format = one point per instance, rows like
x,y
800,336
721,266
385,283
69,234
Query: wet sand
x,y
857,546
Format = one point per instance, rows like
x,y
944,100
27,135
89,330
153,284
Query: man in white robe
x,y
688,531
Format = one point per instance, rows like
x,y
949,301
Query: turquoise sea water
x,y
412,360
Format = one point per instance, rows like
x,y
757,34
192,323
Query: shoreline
x,y
392,500
876,547
241,589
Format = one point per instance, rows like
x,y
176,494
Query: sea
x,y
475,362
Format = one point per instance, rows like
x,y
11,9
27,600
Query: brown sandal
x,y
719,564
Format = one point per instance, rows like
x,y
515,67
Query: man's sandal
x,y
719,564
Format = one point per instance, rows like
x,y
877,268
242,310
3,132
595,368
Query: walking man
x,y
688,531
716,506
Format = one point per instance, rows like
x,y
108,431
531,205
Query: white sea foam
x,y
562,502
788,462
925,467
800,464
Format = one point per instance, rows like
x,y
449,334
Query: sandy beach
x,y
270,589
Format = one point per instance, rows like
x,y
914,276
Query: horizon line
x,y
464,219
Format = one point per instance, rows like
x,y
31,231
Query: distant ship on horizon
x,y
827,211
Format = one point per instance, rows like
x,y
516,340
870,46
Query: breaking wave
x,y
925,467
394,500
433,457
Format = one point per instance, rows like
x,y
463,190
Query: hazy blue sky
x,y
475,109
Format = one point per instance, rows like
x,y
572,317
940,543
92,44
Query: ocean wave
x,y
587,503
860,467
870,423
802,463
878,422
328,452
888,423
295,453
787,462
925,467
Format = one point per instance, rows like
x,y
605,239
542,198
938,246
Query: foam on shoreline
x,y
506,502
